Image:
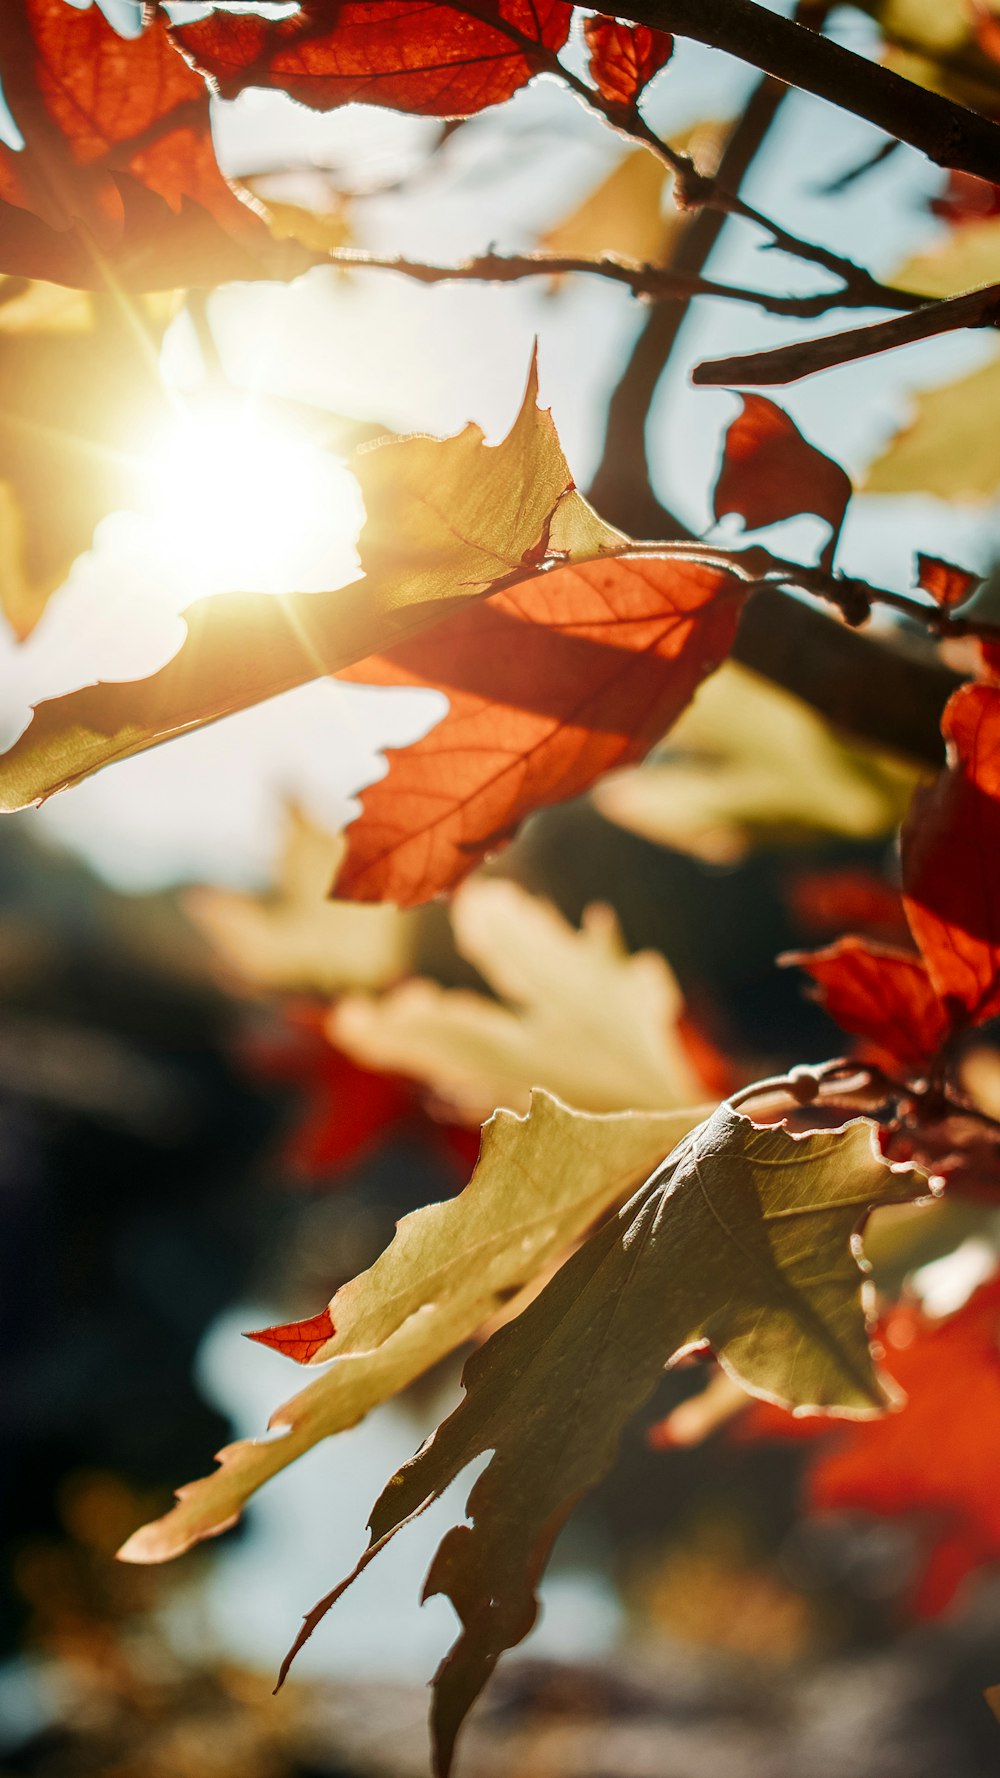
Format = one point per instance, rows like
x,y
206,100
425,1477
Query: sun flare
x,y
242,501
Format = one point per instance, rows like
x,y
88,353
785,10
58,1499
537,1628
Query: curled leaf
x,y
540,1182
743,1239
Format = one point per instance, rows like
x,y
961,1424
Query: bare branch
x,y
803,358
947,133
660,283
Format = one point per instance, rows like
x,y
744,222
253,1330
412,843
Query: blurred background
x,y
192,1146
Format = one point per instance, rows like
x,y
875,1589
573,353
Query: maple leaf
x,y
933,1459
743,1239
747,762
441,60
118,175
448,519
578,1015
624,58
540,1182
770,472
294,939
550,684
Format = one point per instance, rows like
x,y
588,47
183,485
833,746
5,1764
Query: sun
x,y
243,501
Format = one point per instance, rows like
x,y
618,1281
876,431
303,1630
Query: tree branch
x,y
621,488
947,133
786,364
662,283
866,687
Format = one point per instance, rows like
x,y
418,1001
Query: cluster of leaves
x,y
638,1222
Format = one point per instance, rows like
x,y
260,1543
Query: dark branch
x,y
948,133
786,364
662,283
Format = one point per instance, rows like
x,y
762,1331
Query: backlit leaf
x,y
881,993
624,58
300,1340
441,60
540,1182
741,1239
550,684
118,173
947,584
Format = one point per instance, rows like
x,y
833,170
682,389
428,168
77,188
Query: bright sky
x,y
248,509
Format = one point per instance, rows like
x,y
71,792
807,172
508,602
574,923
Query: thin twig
x,y
662,283
803,358
698,190
621,487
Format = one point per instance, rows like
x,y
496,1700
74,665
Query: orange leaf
x,y
118,168
770,472
951,860
937,1457
881,993
300,1340
550,684
624,58
946,584
441,60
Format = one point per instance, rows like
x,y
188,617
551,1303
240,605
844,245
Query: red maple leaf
x,y
624,58
441,60
550,684
118,170
934,1458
